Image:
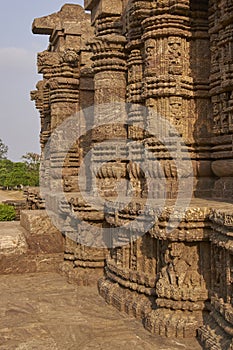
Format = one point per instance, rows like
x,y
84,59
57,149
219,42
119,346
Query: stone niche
x,y
170,58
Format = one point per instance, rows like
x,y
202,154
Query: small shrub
x,y
7,212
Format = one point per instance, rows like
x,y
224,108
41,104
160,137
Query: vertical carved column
x,y
218,328
136,12
64,97
108,52
200,70
176,89
176,77
66,88
221,90
38,97
47,62
167,80
109,64
160,278
134,94
180,289
167,76
61,67
65,66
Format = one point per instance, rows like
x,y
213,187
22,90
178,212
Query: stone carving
x,y
70,56
174,54
175,58
176,110
180,270
150,54
47,59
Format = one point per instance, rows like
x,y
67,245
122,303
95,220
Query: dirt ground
x,y
11,195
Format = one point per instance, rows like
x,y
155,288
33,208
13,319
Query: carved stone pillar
x,y
61,68
136,12
218,328
39,97
221,91
109,64
64,66
176,77
165,75
68,87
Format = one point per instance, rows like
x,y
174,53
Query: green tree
x,y
25,173
18,175
3,150
6,167
32,160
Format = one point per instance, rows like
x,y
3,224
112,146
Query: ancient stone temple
x,y
168,65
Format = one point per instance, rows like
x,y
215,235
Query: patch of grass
x,y
7,212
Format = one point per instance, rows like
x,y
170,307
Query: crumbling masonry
x,y
174,57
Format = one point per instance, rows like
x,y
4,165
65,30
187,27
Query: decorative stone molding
x,y
169,59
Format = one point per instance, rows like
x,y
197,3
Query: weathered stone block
x,y
41,235
12,239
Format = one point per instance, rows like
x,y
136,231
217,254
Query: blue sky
x,y
19,120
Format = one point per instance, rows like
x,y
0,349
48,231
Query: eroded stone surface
x,y
41,235
174,58
44,312
23,251
12,239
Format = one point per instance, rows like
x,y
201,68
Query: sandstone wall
x,y
170,59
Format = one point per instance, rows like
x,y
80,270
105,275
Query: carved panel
x,y
218,270
179,278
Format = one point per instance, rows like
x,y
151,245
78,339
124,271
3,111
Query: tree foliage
x,y
3,150
26,173
32,160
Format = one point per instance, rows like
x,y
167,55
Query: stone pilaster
x,y
166,42
109,64
218,329
221,91
66,88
